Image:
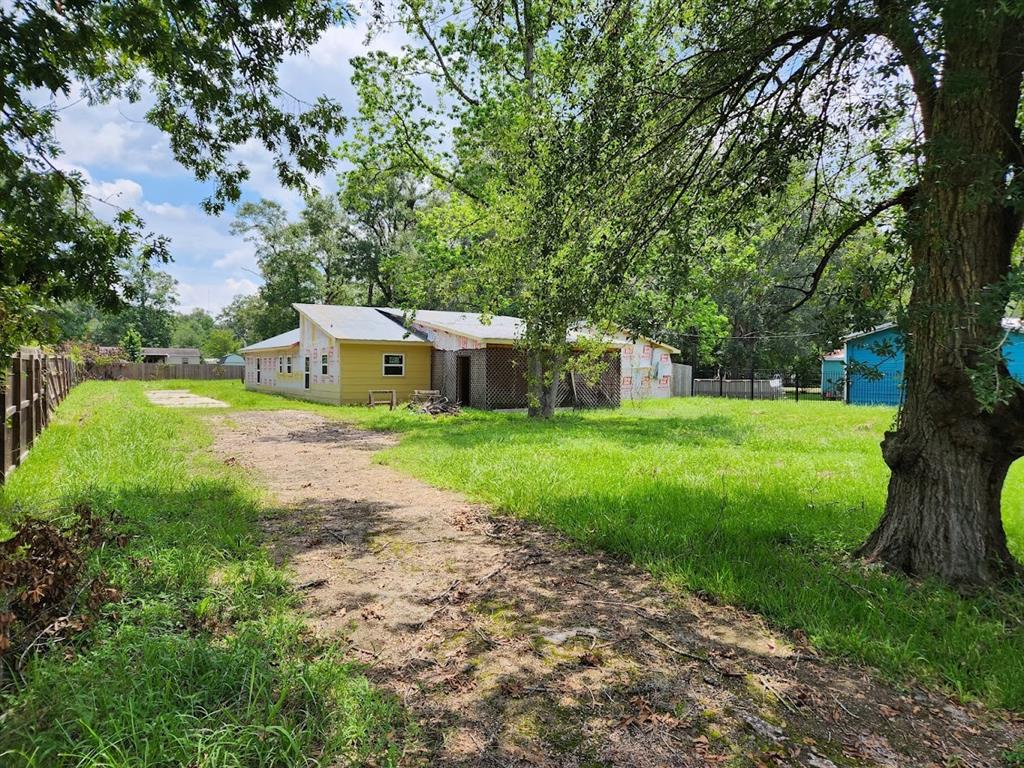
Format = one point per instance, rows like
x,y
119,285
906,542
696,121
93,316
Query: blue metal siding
x,y
832,374
889,389
1013,353
880,352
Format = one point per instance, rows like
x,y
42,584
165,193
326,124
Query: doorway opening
x,y
463,389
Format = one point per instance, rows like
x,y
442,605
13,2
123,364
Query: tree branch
x,y
898,29
904,199
441,62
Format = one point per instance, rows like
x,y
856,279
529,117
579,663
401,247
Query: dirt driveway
x,y
513,647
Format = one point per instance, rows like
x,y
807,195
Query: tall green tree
x,y
514,231
131,343
220,342
211,69
383,209
192,329
242,316
288,269
148,309
724,99
301,261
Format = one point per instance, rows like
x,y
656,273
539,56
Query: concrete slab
x,y
182,398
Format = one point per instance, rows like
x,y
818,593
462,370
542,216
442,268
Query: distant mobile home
x,y
872,364
171,355
339,354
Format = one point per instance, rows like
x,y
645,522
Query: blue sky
x,y
129,163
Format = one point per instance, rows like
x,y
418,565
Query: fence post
x,y
35,396
721,383
17,422
696,363
5,432
796,381
751,373
47,394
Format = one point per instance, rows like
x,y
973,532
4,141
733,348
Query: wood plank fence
x,y
157,371
33,385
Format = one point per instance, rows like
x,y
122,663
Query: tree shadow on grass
x,y
792,567
624,431
573,657
197,657
756,540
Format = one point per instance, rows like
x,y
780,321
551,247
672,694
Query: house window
x,y
257,370
288,364
323,364
280,365
394,365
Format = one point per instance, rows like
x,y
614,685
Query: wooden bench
x,y
391,398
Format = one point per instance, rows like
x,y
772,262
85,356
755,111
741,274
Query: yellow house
x,y
338,355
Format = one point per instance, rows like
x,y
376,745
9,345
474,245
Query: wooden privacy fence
x,y
33,386
152,371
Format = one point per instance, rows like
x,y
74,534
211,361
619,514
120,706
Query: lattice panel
x,y
443,374
506,377
606,392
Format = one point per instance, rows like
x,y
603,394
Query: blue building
x,y
874,366
873,363
833,375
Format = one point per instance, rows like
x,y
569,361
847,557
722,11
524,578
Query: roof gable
x,y
469,324
286,339
357,323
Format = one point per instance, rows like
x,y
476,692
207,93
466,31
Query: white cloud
x,y
212,296
112,135
241,257
167,210
122,193
209,261
244,286
339,44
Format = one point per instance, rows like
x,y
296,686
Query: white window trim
x,y
323,365
289,364
385,365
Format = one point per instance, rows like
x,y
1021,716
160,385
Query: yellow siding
x,y
362,370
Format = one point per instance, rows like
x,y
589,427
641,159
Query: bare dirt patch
x,y
513,647
182,398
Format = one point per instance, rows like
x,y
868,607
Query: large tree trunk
x,y
534,383
552,374
544,369
949,455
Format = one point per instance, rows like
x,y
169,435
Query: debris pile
x,y
435,406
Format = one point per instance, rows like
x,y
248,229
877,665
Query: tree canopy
x,y
210,71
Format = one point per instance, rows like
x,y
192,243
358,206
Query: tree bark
x,y
534,383
949,455
552,375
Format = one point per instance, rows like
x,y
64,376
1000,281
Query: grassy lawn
x,y
757,504
201,662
